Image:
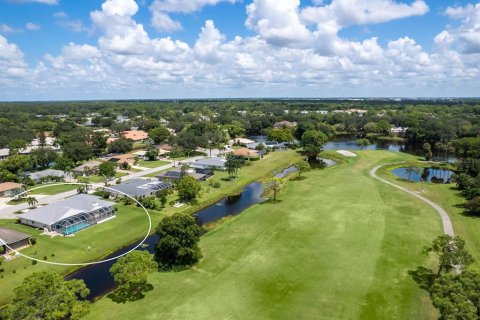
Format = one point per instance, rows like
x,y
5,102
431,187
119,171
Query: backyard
x,y
131,224
337,245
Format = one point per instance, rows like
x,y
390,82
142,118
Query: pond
x,y
424,174
97,277
349,142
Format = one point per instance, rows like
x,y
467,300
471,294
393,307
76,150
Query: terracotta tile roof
x,y
244,152
135,135
6,186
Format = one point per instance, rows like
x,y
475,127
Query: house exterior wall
x,y
35,224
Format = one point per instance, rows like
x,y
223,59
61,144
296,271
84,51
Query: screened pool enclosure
x,y
83,220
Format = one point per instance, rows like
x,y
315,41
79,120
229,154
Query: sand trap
x,y
347,153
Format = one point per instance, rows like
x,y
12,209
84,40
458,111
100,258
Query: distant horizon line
x,y
393,98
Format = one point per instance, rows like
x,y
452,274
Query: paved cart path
x,y
447,223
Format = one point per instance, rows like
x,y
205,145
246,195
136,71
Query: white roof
x,y
66,208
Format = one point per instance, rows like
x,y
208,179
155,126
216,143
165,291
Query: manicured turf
x,y
449,198
152,164
338,245
130,224
51,190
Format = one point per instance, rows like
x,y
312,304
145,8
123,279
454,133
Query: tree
x,y
121,145
177,247
152,154
188,188
45,295
130,273
107,169
427,148
233,164
303,167
16,145
235,129
77,151
43,157
473,206
274,185
450,252
32,202
98,142
457,296
312,143
16,164
63,163
281,135
363,143
159,134
216,138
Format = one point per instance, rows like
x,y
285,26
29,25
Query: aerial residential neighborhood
x,y
224,159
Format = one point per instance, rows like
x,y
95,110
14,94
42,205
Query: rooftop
x,y
212,162
47,173
139,187
66,208
8,236
7,186
135,135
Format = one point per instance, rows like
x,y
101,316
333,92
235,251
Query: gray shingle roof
x,y
11,236
66,208
139,187
47,173
210,162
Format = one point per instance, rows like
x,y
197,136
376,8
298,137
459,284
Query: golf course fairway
x,y
337,245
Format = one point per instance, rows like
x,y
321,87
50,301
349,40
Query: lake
x,y
424,174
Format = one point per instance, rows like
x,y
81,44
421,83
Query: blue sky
x,y
52,49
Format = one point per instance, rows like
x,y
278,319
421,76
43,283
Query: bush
x,y
217,184
473,206
33,241
34,262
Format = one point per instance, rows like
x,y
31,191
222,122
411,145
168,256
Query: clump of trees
x,y
130,273
454,289
46,295
188,188
312,143
177,247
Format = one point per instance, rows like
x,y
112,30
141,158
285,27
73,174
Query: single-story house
x,y
10,239
176,174
122,159
4,153
284,124
164,148
142,154
138,188
70,215
46,175
214,163
10,189
135,135
88,168
246,153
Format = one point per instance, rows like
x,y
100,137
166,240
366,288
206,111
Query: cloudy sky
x,y
119,49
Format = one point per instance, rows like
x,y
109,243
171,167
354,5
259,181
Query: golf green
x,y
337,245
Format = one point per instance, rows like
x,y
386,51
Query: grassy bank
x,y
449,198
338,245
130,224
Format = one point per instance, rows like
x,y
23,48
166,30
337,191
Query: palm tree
x,y
32,202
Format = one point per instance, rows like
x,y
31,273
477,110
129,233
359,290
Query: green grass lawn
x,y
97,178
51,190
337,245
450,199
130,225
152,164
